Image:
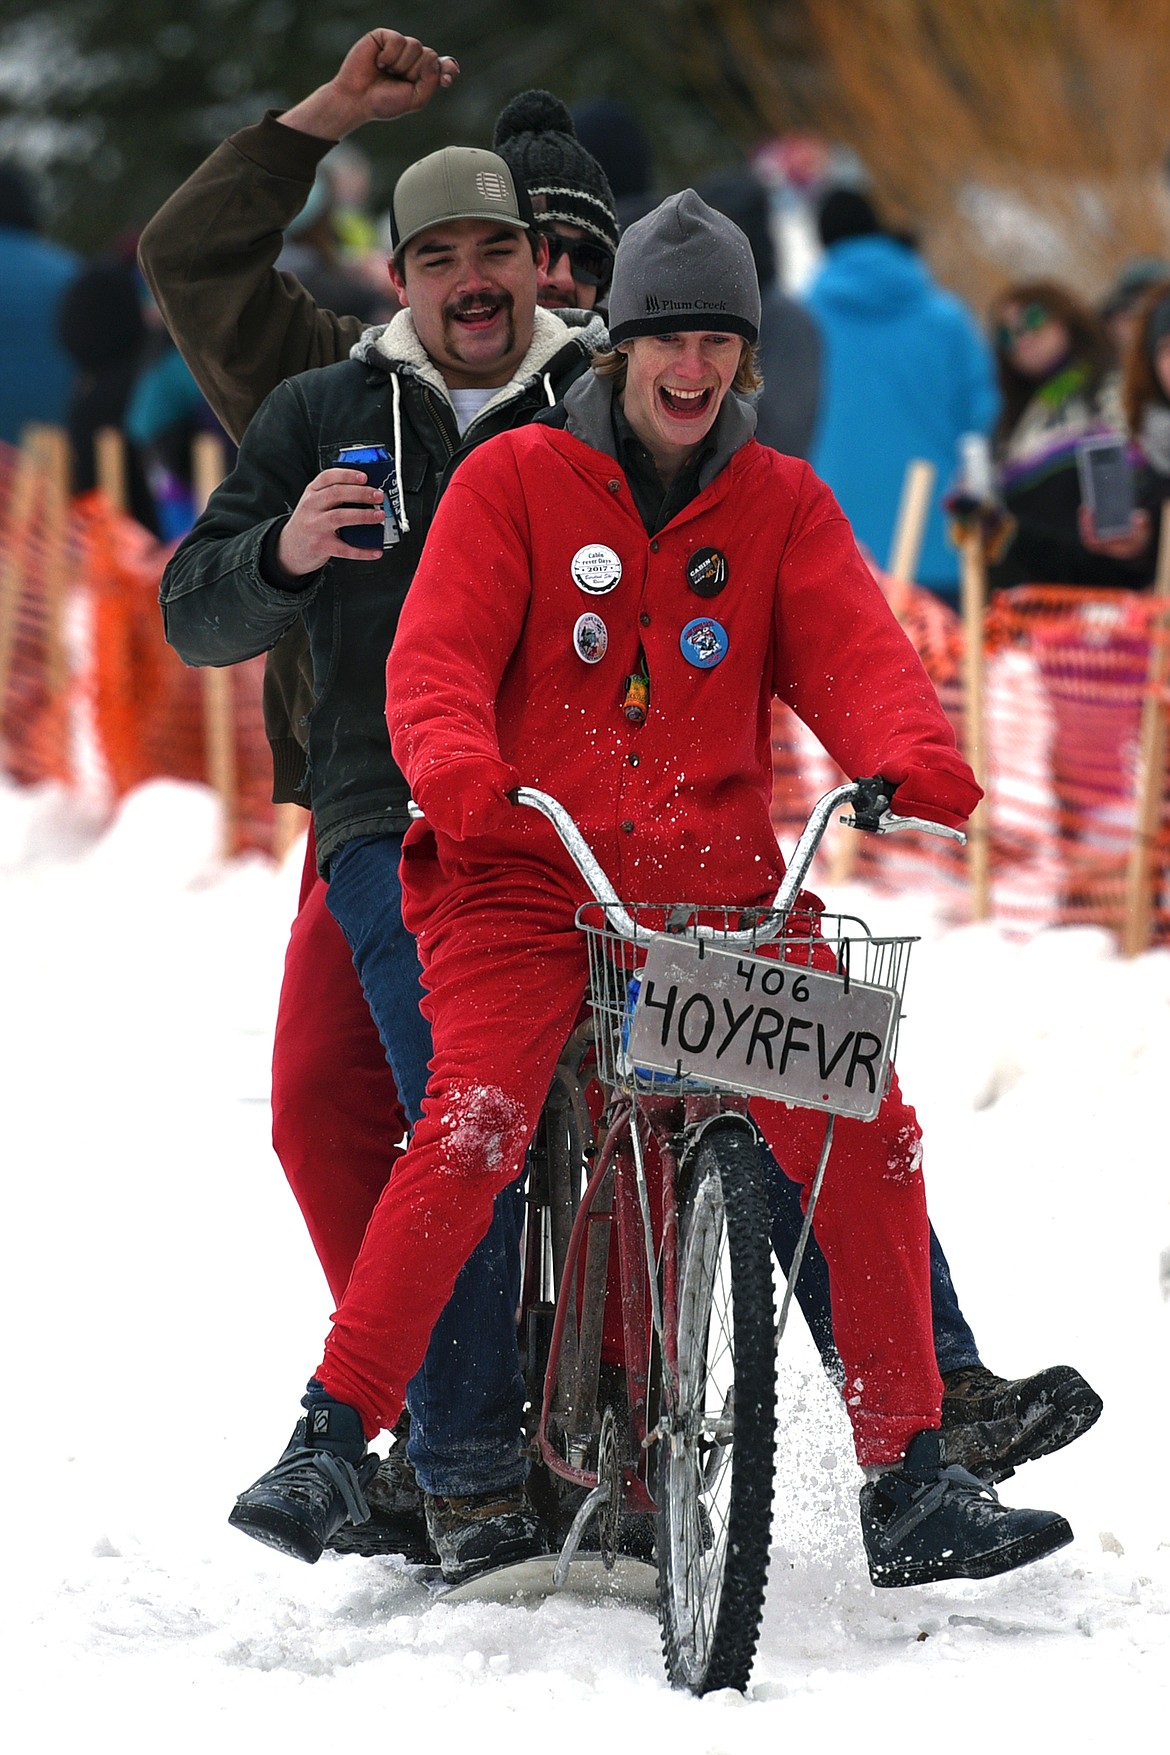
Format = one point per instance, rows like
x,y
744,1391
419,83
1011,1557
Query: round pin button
x,y
590,638
704,643
595,568
707,572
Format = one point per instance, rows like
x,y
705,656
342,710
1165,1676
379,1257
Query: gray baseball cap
x,y
684,266
459,182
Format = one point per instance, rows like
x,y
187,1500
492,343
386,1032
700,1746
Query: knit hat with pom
x,y
684,267
534,135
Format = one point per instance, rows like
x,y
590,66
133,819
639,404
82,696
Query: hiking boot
x,y
927,1521
483,1530
317,1486
397,1522
991,1425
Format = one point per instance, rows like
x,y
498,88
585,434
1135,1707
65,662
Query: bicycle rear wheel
x,y
714,1483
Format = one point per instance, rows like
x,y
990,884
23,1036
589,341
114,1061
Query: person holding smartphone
x,y
1145,396
1057,390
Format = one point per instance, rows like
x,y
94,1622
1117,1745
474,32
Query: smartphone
x,y
1106,477
378,465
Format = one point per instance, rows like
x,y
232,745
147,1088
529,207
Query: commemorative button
x,y
707,572
590,638
704,643
595,568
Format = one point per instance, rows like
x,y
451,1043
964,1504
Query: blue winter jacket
x,y
36,373
905,373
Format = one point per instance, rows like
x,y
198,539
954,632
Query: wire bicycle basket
x,y
806,1013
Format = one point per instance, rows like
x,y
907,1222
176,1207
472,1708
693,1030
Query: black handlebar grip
x,y
872,802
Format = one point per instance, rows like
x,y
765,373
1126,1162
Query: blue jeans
x,y
466,1401
954,1344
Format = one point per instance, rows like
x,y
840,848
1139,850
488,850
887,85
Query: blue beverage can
x,y
378,466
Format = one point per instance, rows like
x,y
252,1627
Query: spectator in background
x,y
312,253
906,374
36,373
350,179
571,199
621,146
102,328
1145,401
1056,386
166,413
789,347
1119,311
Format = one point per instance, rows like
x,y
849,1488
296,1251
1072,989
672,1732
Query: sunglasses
x,y
1031,317
592,264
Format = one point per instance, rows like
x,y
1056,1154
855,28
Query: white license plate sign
x,y
769,1028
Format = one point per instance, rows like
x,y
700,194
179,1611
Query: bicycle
x,y
673,1417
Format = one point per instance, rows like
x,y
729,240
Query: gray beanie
x,y
684,267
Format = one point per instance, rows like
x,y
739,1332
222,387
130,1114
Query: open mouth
x,y
477,314
685,404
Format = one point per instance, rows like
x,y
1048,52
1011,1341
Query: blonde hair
x,y
747,374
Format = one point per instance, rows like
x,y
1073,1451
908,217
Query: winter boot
x,y
317,1486
926,1521
397,1522
482,1530
991,1425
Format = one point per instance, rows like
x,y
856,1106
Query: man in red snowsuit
x,y
641,531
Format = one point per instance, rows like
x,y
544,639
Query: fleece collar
x,y
395,347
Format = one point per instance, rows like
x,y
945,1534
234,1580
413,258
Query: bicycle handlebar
x,y
872,815
618,918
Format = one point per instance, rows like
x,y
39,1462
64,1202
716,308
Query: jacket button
x,y
644,619
653,548
615,487
633,758
627,828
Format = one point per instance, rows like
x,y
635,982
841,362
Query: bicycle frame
x,y
616,1205
615,1218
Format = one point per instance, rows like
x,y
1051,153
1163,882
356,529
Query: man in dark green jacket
x,y
470,355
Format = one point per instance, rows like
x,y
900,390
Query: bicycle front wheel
x,y
715,1469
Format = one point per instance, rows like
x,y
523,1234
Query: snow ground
x,y
162,1305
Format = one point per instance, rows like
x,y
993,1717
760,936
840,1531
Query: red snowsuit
x,y
486,688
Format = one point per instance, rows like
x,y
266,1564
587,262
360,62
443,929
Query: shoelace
x,y
337,1472
929,1497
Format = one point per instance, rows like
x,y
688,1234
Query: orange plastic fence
x,y
35,727
1065,687
87,678
128,709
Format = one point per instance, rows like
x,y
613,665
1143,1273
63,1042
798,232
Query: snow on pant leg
x,y
871,1223
954,1344
337,1124
505,973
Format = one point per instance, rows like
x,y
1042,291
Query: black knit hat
x,y
535,137
684,267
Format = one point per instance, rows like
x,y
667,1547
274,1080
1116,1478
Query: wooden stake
x,y
913,512
109,461
208,467
22,511
291,821
1139,900
219,730
56,459
974,600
